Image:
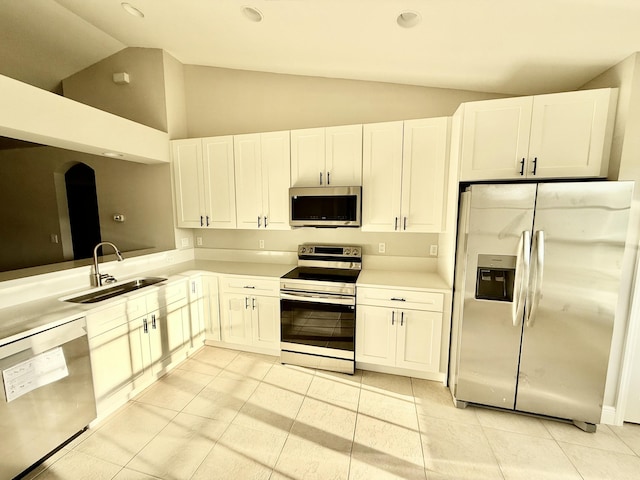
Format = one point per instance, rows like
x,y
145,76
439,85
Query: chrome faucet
x,y
98,277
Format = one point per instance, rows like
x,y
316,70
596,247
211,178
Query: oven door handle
x,y
318,298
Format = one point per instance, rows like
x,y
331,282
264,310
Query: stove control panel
x,y
329,251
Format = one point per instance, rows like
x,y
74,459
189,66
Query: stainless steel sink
x,y
101,294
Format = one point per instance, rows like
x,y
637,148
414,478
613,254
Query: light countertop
x,y
34,316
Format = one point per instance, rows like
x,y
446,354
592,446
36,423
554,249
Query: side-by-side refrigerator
x,y
536,287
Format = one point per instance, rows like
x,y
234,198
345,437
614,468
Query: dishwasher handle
x,y
48,339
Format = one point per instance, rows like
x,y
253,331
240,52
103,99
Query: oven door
x,y
318,324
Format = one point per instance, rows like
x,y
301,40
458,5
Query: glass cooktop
x,y
323,274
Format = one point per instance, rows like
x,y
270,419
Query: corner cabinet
x,y
399,331
262,167
405,166
250,313
329,156
545,136
203,176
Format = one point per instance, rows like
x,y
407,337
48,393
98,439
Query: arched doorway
x,y
82,201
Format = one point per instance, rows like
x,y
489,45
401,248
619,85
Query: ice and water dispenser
x,y
495,277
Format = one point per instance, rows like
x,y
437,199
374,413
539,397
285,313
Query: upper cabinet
x,y
405,167
329,156
544,136
203,172
262,165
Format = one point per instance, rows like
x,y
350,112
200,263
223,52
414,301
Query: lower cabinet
x,y
250,314
135,341
399,331
211,307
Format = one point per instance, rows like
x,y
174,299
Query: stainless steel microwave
x,y
325,206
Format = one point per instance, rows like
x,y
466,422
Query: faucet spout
x,y
105,277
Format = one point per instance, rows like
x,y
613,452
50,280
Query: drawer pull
x,y
395,299
248,286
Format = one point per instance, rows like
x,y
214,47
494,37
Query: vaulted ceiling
x,y
505,46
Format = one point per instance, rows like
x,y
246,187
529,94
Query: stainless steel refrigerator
x,y
535,294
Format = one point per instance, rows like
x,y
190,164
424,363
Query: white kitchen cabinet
x,y
262,166
250,313
544,136
405,166
203,175
399,330
329,156
119,350
197,312
136,340
211,307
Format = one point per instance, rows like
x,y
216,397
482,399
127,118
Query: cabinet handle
x,y
535,165
405,223
153,321
193,287
393,318
249,286
328,178
265,221
253,303
522,167
145,326
258,221
246,302
398,299
320,178
201,220
401,318
207,220
395,225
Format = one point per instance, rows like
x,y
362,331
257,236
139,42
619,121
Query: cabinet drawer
x,y
251,285
396,298
174,294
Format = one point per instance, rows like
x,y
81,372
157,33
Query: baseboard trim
x,y
609,415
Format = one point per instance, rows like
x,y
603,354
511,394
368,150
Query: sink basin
x,y
101,294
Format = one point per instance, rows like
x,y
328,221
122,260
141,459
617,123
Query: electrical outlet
x,y
382,248
433,250
261,243
185,242
54,238
199,241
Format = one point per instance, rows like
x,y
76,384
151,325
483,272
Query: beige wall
x,y
175,97
30,214
142,100
397,244
225,102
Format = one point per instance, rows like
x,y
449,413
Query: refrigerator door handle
x,y
522,278
536,277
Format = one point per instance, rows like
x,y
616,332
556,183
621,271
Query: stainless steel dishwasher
x,y
47,394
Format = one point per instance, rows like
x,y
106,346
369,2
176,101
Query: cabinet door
x,y
248,167
218,174
276,178
424,174
381,177
187,177
265,322
211,307
376,335
235,318
571,134
197,314
308,158
169,344
418,340
117,363
495,138
343,155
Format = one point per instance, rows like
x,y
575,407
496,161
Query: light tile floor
x,y
224,414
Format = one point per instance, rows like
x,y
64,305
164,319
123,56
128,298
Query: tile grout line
x,y
415,407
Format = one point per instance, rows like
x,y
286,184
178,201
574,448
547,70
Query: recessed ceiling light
x,y
113,154
408,19
252,14
131,10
